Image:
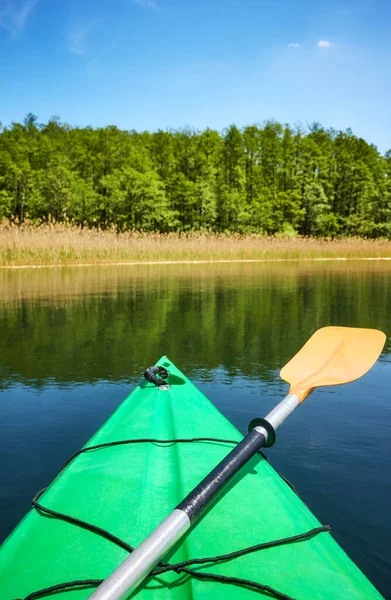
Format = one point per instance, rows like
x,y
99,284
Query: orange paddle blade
x,y
332,355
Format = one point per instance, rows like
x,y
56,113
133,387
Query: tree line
x,y
260,179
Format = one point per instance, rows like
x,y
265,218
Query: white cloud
x,y
146,3
14,14
324,44
78,36
293,45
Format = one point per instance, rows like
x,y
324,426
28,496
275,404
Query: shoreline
x,y
200,262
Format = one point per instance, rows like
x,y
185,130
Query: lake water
x,y
75,341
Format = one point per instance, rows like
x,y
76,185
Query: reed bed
x,y
65,244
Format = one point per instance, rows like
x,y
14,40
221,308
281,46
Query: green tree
x,y
263,179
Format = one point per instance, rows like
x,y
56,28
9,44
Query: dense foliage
x,y
265,179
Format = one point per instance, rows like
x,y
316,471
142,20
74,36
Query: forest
x,y
265,179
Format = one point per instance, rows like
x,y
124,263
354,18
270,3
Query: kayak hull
x,y
129,489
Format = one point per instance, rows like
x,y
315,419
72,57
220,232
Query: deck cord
x,y
173,441
163,567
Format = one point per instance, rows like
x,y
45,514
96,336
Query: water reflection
x,y
108,323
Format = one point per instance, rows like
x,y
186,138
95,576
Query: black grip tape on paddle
x,y
197,501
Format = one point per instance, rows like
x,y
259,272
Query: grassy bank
x,y
57,244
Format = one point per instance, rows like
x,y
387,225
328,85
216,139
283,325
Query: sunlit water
x,y
74,343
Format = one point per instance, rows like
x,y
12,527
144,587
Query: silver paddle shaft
x,y
134,569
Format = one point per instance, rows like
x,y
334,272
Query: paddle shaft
x,y
134,569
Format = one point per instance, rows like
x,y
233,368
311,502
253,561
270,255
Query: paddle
x,y
333,355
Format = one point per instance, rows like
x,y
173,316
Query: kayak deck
x,y
128,489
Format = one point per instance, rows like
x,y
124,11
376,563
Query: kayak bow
x,y
127,488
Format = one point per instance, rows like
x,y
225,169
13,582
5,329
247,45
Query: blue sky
x,y
158,64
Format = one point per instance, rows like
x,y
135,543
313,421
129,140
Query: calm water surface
x,y
74,343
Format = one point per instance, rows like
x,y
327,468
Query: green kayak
x,y
128,489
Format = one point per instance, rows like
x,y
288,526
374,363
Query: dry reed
x,y
65,244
